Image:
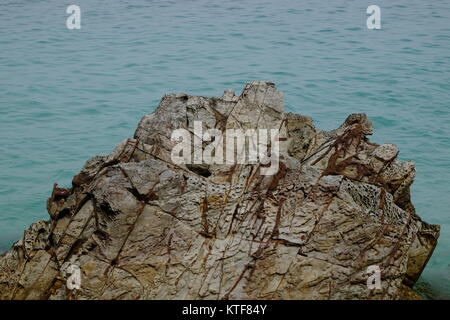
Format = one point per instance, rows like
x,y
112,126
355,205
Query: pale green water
x,y
67,95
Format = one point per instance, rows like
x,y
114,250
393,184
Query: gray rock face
x,y
139,226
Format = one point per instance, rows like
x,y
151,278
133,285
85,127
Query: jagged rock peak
x,y
139,225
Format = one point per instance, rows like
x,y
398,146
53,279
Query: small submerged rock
x,y
139,226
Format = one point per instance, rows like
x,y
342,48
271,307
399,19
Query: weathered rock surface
x,y
141,227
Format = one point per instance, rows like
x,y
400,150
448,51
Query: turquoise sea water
x,y
67,95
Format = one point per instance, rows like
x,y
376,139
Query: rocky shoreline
x,y
139,226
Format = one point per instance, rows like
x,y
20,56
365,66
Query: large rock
x,y
141,227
